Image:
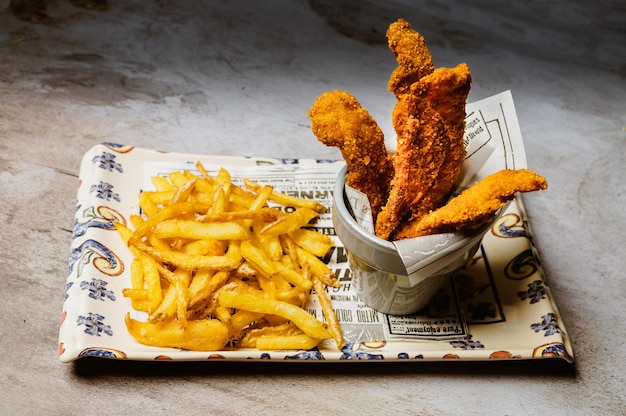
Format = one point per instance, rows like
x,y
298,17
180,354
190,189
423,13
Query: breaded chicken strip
x,y
446,92
429,121
421,148
476,205
337,119
414,58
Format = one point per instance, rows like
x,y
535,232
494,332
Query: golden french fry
x,y
156,198
223,314
293,277
220,201
147,204
257,258
205,287
222,194
181,284
263,214
167,308
286,200
138,298
327,308
183,192
315,243
198,231
178,178
123,231
190,262
286,342
200,335
301,318
270,243
317,267
200,280
161,184
253,335
205,175
163,214
205,247
136,274
293,295
137,221
241,319
290,222
152,280
263,195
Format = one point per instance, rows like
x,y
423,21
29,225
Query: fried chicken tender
x,y
446,92
413,56
337,119
429,121
476,205
419,153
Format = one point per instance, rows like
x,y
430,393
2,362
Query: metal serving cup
x,y
401,277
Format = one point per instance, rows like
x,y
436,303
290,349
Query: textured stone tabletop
x,y
237,78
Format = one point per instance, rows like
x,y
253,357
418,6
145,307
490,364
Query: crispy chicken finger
x,y
429,121
446,91
420,151
337,119
414,58
476,205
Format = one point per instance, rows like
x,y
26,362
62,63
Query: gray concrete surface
x,y
236,78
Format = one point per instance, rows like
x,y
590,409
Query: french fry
x,y
270,243
152,280
148,206
166,308
165,213
138,298
205,247
301,318
250,338
183,192
286,200
156,198
161,184
263,214
286,342
194,230
293,277
257,258
290,222
205,287
312,241
189,262
200,335
123,231
178,178
318,267
327,308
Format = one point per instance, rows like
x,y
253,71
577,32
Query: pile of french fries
x,y
219,266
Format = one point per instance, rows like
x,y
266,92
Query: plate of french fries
x,y
196,257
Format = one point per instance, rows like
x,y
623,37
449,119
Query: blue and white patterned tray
x,y
504,298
